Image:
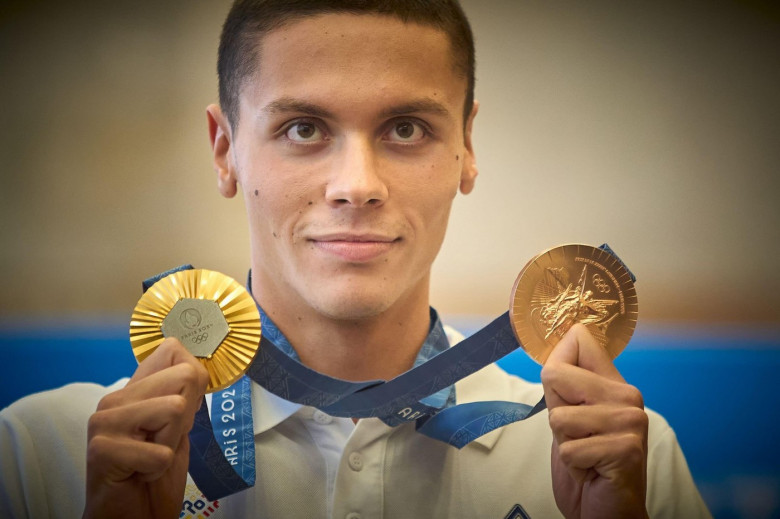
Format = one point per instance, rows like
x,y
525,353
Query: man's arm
x,y
138,444
600,429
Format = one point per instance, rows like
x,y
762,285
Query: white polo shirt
x,y
311,465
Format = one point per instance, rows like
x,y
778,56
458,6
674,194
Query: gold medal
x,y
212,315
573,284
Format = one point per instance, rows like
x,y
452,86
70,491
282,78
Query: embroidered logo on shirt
x,y
517,512
196,506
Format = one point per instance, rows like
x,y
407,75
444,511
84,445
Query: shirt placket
x,y
359,489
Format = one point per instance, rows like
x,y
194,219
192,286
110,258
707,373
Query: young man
x,y
347,127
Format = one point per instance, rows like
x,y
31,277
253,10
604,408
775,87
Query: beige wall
x,y
652,126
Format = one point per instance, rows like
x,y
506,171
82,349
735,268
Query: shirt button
x,y
321,418
356,461
353,515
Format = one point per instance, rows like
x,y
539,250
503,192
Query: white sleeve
x,y
43,445
671,491
21,483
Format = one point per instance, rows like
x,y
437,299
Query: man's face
x,y
349,151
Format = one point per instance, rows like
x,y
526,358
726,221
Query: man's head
x,y
249,20
350,150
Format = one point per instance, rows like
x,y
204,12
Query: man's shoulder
x,y
43,443
493,383
69,403
659,430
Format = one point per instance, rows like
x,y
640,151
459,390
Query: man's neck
x,y
377,347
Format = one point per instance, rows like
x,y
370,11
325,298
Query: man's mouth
x,y
354,248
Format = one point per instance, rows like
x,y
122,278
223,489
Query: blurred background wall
x,y
653,126
649,125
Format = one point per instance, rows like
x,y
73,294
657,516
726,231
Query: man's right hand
x,y
138,444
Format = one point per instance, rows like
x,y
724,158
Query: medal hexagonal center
x,y
199,324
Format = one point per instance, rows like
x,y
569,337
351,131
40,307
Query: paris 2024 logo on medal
x,y
211,314
190,318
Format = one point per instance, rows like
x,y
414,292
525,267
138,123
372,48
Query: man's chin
x,y
352,308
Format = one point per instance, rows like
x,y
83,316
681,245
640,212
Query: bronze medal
x,y
573,284
212,315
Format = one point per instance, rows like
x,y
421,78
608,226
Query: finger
x,y
169,353
578,347
179,465
161,420
577,474
183,379
609,456
565,384
117,459
577,422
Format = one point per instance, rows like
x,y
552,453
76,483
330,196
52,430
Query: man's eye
x,y
406,131
304,132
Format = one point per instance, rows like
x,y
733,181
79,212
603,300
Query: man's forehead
x,y
350,19
408,65
373,27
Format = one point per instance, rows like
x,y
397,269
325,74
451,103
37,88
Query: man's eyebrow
x,y
286,105
419,106
290,105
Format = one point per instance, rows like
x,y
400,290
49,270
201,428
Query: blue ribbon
x,y
216,468
222,446
395,402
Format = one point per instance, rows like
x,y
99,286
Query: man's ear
x,y
221,141
469,171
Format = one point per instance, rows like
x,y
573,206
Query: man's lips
x,y
354,248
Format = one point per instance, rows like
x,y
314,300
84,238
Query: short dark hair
x,y
249,20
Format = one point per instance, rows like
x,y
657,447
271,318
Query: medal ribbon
x,y
215,468
222,447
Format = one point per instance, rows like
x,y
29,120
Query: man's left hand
x,y
599,451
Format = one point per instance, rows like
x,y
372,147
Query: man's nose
x,y
355,179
